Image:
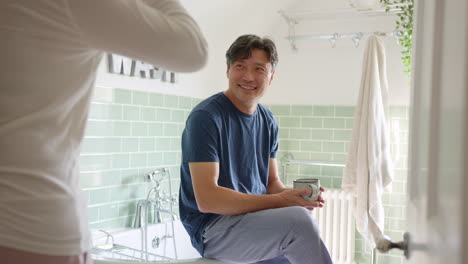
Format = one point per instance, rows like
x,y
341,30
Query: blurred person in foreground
x,y
50,51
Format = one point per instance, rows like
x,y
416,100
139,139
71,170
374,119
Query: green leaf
x,y
404,24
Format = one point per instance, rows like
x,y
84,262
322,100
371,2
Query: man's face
x,y
249,79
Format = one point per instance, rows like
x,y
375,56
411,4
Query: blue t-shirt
x,y
242,144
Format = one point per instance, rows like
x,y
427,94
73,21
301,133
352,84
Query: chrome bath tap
x,y
154,201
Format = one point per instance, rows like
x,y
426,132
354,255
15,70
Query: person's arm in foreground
x,y
212,198
160,32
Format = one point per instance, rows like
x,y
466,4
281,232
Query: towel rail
x,y
288,159
312,162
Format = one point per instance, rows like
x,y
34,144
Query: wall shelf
x,y
293,18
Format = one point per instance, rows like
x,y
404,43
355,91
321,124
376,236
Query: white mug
x,y
309,183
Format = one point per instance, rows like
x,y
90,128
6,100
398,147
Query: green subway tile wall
x,y
322,133
131,133
128,135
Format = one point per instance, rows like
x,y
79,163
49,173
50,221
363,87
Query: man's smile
x,y
247,87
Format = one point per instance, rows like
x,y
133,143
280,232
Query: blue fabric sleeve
x,y
202,138
274,140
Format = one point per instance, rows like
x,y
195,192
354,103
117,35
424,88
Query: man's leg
x,y
277,260
266,235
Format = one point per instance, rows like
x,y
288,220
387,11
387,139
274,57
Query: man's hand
x,y
293,197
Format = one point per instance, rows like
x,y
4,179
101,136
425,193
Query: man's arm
x,y
212,198
276,186
274,183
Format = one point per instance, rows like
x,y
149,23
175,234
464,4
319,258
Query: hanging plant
x,y
403,28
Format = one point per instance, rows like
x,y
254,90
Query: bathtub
x,y
162,247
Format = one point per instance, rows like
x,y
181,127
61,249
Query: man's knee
x,y
298,213
286,219
302,219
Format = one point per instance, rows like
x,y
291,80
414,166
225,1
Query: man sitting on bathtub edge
x,y
232,202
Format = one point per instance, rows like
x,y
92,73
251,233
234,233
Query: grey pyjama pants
x,y
281,235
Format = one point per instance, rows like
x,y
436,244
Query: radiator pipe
x,y
373,257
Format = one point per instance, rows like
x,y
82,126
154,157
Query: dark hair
x,y
242,48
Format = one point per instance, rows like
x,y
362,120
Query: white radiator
x,y
336,225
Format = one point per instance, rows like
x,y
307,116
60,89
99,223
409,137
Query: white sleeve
x,y
160,32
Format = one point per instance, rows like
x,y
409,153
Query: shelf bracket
x,y
291,29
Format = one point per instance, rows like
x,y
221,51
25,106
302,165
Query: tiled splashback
x,y
130,133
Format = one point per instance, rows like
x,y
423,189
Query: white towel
x,y
368,166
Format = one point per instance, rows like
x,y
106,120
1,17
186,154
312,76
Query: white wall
x,y
320,74
315,74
